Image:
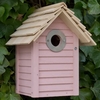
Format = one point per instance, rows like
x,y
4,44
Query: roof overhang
x,y
39,21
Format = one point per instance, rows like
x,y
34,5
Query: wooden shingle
x,y
42,18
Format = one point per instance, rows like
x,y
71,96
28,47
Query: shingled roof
x,y
42,18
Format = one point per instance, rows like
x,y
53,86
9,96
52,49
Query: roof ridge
x,y
51,6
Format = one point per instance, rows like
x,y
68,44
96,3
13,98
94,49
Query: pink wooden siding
x,y
43,73
57,70
23,75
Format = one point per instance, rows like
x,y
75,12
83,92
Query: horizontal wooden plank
x,y
22,47
24,89
24,62
55,80
56,93
32,25
43,46
48,53
20,40
22,50
25,86
25,76
25,56
38,18
54,60
48,11
68,39
46,74
54,67
56,87
24,32
58,20
57,5
24,93
24,82
58,25
24,69
66,32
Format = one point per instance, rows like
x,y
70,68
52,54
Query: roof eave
x,y
83,37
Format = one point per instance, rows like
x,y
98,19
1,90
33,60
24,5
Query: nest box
x,y
47,52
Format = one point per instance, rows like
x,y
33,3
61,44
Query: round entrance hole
x,y
55,40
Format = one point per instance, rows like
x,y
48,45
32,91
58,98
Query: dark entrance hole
x,y
55,40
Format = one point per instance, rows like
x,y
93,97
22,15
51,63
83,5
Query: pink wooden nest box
x,y
47,52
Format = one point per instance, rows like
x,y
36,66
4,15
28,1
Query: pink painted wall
x,y
43,73
23,69
58,72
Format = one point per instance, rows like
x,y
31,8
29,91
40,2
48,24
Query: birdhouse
x,y
47,52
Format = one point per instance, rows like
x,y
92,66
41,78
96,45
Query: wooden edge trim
x,y
75,65
69,13
58,11
88,44
81,26
35,69
89,33
17,69
75,20
91,40
67,9
74,17
69,21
